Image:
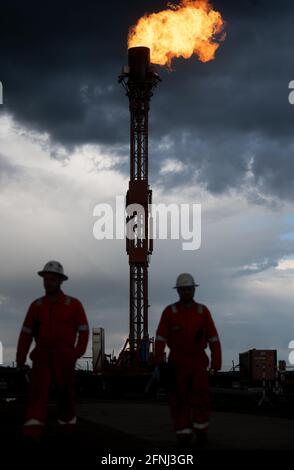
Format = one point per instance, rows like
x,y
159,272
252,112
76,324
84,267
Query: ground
x,y
109,430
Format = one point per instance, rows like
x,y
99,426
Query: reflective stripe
x,y
184,431
71,421
213,339
201,425
25,329
174,308
200,309
67,300
33,422
83,328
160,338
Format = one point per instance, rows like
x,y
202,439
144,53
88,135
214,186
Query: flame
x,y
180,31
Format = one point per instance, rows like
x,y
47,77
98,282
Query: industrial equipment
x,y
258,364
98,350
139,79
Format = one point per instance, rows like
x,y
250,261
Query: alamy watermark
x,y
1,93
291,94
164,221
291,354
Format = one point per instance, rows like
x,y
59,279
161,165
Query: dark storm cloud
x,y
59,66
53,55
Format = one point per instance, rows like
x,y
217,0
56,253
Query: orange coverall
x,y
186,331
61,333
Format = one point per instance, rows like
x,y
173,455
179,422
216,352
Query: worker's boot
x,y
67,430
201,438
32,432
184,440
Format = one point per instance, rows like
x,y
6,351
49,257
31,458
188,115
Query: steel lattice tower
x,y
139,79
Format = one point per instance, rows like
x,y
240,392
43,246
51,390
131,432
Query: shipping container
x,y
258,364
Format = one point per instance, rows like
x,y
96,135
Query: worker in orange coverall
x,y
59,326
186,327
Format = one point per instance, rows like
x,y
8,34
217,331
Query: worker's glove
x,y
23,373
22,367
157,361
215,365
156,373
75,355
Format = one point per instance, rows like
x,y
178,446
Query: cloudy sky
x,y
221,135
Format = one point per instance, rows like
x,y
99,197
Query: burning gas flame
x,y
180,31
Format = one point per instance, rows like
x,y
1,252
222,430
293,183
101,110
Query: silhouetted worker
x,y
186,327
59,325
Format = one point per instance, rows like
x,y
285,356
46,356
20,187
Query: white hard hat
x,y
185,280
53,267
